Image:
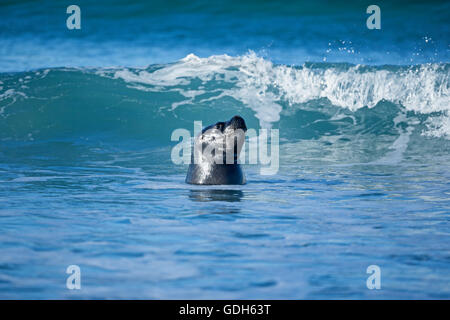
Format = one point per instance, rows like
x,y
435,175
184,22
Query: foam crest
x,y
265,87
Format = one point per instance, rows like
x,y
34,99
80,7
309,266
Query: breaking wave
x,y
59,102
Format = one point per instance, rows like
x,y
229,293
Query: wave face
x,y
40,103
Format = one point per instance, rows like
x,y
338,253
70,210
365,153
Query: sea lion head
x,y
216,153
221,143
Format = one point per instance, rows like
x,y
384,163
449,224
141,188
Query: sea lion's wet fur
x,y
217,150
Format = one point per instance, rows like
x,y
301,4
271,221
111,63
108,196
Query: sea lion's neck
x,y
211,174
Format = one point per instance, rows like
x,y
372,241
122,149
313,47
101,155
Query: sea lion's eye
x,y
220,125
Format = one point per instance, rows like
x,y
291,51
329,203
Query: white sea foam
x,y
263,86
400,145
12,95
439,126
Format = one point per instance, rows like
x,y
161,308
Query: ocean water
x,y
86,176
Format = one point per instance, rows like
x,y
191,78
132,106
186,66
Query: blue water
x,y
86,176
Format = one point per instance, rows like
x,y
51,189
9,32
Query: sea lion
x,y
215,154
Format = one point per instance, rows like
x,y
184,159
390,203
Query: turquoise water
x,y
86,176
